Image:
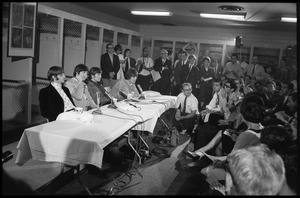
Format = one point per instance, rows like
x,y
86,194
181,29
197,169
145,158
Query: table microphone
x,y
112,105
141,97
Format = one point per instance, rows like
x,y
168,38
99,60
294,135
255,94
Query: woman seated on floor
x,y
253,112
224,139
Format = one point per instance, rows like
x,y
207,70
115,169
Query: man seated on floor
x,y
213,105
187,108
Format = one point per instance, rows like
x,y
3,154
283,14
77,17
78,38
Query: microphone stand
x,y
112,104
98,110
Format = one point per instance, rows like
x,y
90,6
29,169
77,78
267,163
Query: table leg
x,y
129,143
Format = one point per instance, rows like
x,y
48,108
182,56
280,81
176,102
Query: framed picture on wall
x,y
22,23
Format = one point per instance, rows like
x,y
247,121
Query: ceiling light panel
x,y
223,16
151,13
289,19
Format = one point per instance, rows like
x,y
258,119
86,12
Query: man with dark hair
x,y
233,69
182,60
110,66
189,73
127,85
79,90
285,90
55,98
281,140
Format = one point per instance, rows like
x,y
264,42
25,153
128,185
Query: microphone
x,y
112,105
141,97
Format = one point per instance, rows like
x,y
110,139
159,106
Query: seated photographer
x,y
126,86
187,108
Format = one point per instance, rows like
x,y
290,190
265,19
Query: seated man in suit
x,y
55,98
187,108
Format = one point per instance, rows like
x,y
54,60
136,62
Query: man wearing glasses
x,y
187,108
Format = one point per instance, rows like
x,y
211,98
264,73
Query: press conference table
x,y
73,142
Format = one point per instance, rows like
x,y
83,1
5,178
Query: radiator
x,y
14,98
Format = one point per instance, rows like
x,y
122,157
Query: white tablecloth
x,y
74,142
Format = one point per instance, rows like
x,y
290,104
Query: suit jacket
x,y
132,63
107,66
51,103
158,65
218,74
177,72
190,76
259,71
93,88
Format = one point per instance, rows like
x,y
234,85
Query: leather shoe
x,y
194,164
190,154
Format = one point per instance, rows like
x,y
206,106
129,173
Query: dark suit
x,y
219,71
130,65
177,78
206,91
163,85
190,76
107,66
51,103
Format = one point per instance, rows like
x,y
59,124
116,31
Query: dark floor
x,y
116,175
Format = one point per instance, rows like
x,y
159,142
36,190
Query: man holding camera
x,y
187,108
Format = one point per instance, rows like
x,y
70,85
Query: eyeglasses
x,y
187,89
110,48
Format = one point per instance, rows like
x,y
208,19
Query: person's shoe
x,y
190,154
194,164
183,131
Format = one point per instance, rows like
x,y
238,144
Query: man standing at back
x,y
256,71
144,65
163,66
182,60
55,98
110,66
232,69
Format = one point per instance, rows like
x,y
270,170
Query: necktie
x,y
184,105
217,101
227,99
127,65
163,61
182,63
253,69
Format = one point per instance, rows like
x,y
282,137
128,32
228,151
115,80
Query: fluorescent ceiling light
x,y
223,16
288,19
151,13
